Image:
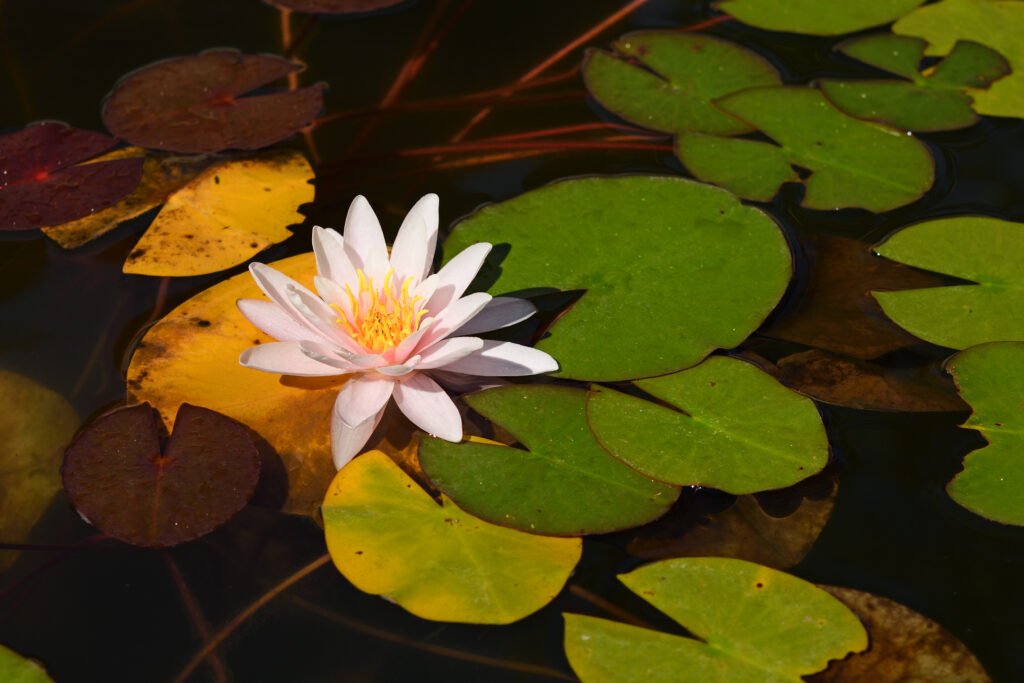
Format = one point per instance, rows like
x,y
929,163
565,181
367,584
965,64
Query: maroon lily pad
x,y
44,182
195,104
127,484
335,6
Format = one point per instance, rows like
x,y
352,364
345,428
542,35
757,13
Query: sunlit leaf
x,y
755,624
390,538
723,424
125,482
43,180
848,160
986,251
335,6
995,23
671,269
35,426
565,485
815,17
225,216
666,80
17,669
197,103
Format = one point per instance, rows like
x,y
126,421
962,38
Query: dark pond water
x,y
99,611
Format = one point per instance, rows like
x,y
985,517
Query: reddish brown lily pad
x,y
127,484
335,6
195,104
44,182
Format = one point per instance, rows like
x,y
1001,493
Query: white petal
x,y
321,317
453,317
504,359
332,262
449,351
427,405
364,240
501,311
285,358
339,358
456,275
426,209
466,384
407,345
426,288
362,397
400,370
271,319
332,294
347,441
409,255
275,285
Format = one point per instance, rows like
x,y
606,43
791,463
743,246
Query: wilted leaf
x,y
390,538
815,17
44,182
565,485
335,6
17,669
127,484
225,216
195,104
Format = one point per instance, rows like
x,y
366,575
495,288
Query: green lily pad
x,y
937,100
755,624
849,161
990,377
671,269
16,669
995,23
729,426
389,537
665,80
987,251
565,484
815,17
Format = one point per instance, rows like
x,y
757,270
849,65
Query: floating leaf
x,y
565,485
986,251
35,426
671,269
756,624
990,377
17,669
728,425
848,160
666,80
225,216
814,17
335,6
195,104
937,100
191,356
45,182
390,538
995,23
125,483
905,646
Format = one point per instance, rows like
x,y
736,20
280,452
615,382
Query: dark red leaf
x,y
43,182
335,6
121,481
195,104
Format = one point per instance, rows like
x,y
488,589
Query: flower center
x,y
381,318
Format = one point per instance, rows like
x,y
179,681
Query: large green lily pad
x,y
815,17
726,425
666,80
939,99
671,269
851,163
998,24
987,251
390,538
755,624
990,377
564,484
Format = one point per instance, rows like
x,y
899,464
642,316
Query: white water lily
x,y
388,322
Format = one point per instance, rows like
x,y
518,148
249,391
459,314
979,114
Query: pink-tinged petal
x,y
346,440
285,358
362,398
465,384
271,319
364,239
504,359
406,347
409,256
456,276
332,294
453,317
400,370
339,358
426,209
501,311
425,289
448,351
321,317
332,261
275,285
427,405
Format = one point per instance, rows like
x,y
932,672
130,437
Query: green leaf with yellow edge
x,y
35,426
986,251
751,624
17,669
666,80
997,24
815,17
564,484
389,537
225,216
723,424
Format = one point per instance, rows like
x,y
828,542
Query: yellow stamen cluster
x,y
381,318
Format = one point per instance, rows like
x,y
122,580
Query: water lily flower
x,y
385,320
